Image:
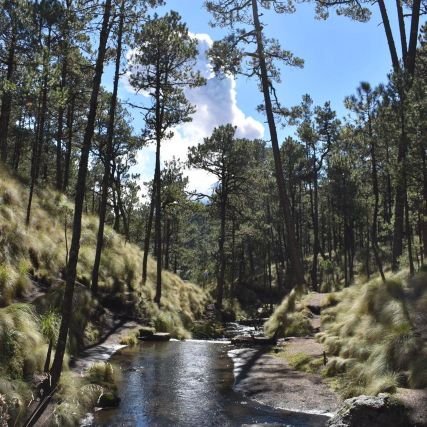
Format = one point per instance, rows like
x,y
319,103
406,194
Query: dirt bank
x,y
270,380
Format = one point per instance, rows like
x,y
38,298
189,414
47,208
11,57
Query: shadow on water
x,y
186,384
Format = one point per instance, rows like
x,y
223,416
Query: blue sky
x,y
338,55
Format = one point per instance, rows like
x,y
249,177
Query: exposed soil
x,y
272,381
416,402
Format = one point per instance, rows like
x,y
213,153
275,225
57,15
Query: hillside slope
x,y
32,262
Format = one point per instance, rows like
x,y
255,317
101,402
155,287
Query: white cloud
x,y
216,104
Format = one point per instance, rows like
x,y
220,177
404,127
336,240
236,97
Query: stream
x,y
186,383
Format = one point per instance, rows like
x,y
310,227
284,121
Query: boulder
x,y
371,411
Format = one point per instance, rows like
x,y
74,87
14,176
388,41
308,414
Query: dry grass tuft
x,y
372,334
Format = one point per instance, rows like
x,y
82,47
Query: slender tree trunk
x,y
6,102
233,257
316,244
17,151
409,63
221,252
296,263
67,305
158,225
159,114
368,253
389,35
116,224
148,235
402,29
48,356
400,197
424,205
38,141
67,160
59,136
409,238
122,210
410,60
167,242
375,189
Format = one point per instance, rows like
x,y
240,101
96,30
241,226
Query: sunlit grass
x,y
39,253
372,337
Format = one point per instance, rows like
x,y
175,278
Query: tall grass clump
x,y
287,320
76,396
22,353
373,337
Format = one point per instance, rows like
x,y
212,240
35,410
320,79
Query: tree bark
x,y
60,130
6,102
221,241
48,356
158,225
148,236
67,160
38,140
296,263
375,189
389,35
67,305
109,155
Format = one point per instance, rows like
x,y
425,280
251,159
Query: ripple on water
x,y
186,383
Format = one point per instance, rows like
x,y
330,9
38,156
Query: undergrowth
x,y
290,318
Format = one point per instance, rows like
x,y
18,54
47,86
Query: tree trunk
x,y
316,243
399,205
409,238
6,102
67,160
158,225
148,236
167,242
375,190
221,241
122,211
38,141
67,305
48,356
59,137
296,263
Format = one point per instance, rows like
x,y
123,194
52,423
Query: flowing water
x,y
186,384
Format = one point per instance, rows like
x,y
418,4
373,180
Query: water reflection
x,y
185,384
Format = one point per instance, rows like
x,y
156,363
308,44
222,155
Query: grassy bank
x,y
38,254
373,334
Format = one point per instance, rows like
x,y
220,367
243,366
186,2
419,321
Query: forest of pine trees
x,y
343,198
